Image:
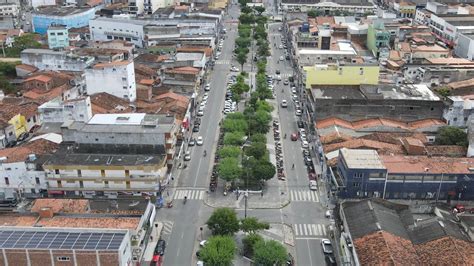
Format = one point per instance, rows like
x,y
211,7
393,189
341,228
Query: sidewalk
x,y
155,236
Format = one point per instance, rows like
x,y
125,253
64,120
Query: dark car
x,y
192,142
23,136
160,247
277,72
300,124
290,261
308,161
196,128
330,260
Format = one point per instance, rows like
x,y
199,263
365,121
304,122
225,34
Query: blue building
x,y
58,37
365,173
68,16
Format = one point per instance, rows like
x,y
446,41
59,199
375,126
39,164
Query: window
x,y
37,180
34,119
7,181
10,133
109,37
356,184
56,171
361,71
63,258
106,184
358,175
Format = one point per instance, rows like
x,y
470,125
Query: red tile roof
x,y
383,248
113,63
104,103
423,164
26,67
381,147
20,153
42,78
62,205
206,50
446,251
184,70
324,123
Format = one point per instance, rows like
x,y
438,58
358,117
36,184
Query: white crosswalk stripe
x,y
304,195
309,229
285,75
191,194
167,227
222,62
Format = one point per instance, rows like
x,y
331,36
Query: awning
x,y
55,192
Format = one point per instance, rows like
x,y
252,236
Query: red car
x,y
156,261
294,137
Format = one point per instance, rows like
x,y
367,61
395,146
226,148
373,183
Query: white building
x,y
465,46
37,3
199,59
45,59
116,78
21,171
460,111
106,29
448,27
58,111
9,10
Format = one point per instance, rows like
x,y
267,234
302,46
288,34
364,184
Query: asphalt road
x,y
184,220
305,213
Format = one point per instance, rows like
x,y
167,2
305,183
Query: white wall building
x,y
465,46
106,29
459,113
199,59
116,78
58,111
37,3
9,10
46,59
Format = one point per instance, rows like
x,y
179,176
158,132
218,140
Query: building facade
x,y
9,10
363,173
70,17
465,46
59,111
45,59
106,29
342,74
58,37
119,77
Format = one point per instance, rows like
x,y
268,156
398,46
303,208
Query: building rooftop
x,y
60,11
361,159
21,153
377,123
376,92
112,64
66,156
461,84
195,56
423,164
104,103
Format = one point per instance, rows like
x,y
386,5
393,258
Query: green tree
x,y
256,150
229,169
264,170
6,86
235,116
258,138
234,138
259,9
8,69
218,251
264,106
238,88
247,18
443,91
229,151
449,135
259,122
22,42
249,242
269,253
223,221
242,58
233,125
315,13
246,10
244,2
242,42
252,225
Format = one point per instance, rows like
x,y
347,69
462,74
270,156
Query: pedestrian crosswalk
x,y
304,195
191,194
167,227
222,62
285,75
309,230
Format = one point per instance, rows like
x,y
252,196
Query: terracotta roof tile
x,y
85,222
7,219
62,205
113,63
421,164
383,248
104,103
334,137
332,121
185,70
12,106
26,67
206,50
174,96
41,97
461,84
446,251
381,147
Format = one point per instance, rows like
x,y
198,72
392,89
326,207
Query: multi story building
x,y
438,71
58,37
38,3
405,9
342,73
59,111
147,7
112,153
45,59
448,27
21,169
17,117
378,39
460,110
358,7
465,46
365,173
70,17
9,9
119,77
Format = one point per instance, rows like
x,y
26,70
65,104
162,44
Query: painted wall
x,y
341,75
41,22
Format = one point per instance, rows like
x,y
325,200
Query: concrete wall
x,y
58,38
109,30
405,110
56,111
41,22
465,47
55,61
21,176
118,80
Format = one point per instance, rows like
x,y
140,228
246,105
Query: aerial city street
x,y
236,132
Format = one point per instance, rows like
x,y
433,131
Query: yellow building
x,y
218,4
342,74
19,123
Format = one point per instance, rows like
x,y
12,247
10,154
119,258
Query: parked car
x,y
277,72
307,160
200,113
313,185
286,82
300,124
298,112
305,144
192,142
327,246
199,141
196,128
234,69
284,103
160,247
187,156
294,137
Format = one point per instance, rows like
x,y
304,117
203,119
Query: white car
x,y
187,156
282,58
234,69
204,98
203,104
298,112
327,246
284,103
293,90
199,141
305,144
200,113
203,243
313,185
280,46
208,87
278,77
